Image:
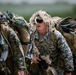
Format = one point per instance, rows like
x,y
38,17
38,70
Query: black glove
x,y
42,64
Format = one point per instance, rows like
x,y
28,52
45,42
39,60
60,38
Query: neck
x,y
42,32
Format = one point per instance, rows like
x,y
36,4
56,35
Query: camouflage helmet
x,y
15,20
54,23
56,20
40,14
68,24
19,21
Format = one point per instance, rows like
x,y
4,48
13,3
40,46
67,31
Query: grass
x,y
26,10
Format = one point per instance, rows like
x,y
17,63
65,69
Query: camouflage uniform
x,y
15,60
19,25
46,46
67,27
56,48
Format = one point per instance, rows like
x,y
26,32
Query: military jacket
x,y
46,46
15,46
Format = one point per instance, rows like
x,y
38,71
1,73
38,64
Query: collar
x,y
45,36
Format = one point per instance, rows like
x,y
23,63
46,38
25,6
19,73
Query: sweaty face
x,y
40,26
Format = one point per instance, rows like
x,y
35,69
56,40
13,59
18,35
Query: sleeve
x,y
66,52
18,54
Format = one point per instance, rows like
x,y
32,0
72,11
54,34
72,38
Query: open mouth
x,y
38,26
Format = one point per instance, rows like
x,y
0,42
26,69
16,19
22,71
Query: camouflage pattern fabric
x,y
68,28
16,61
46,46
3,48
20,26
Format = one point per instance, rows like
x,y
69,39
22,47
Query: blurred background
x,y
26,8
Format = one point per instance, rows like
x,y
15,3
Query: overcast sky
x,y
36,1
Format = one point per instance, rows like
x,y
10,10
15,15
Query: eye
x,y
39,20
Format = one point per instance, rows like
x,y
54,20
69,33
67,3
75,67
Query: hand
x,y
35,59
21,72
68,73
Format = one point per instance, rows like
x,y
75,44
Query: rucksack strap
x,y
24,43
54,39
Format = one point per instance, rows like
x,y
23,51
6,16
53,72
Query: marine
x,y
45,45
67,26
15,61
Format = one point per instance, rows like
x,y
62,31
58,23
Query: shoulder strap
x,y
54,39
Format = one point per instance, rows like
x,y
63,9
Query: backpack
x,y
19,25
67,27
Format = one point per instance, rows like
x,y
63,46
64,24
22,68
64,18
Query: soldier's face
x,y
41,26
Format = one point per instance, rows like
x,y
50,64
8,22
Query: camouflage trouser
x,y
59,70
12,67
35,70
